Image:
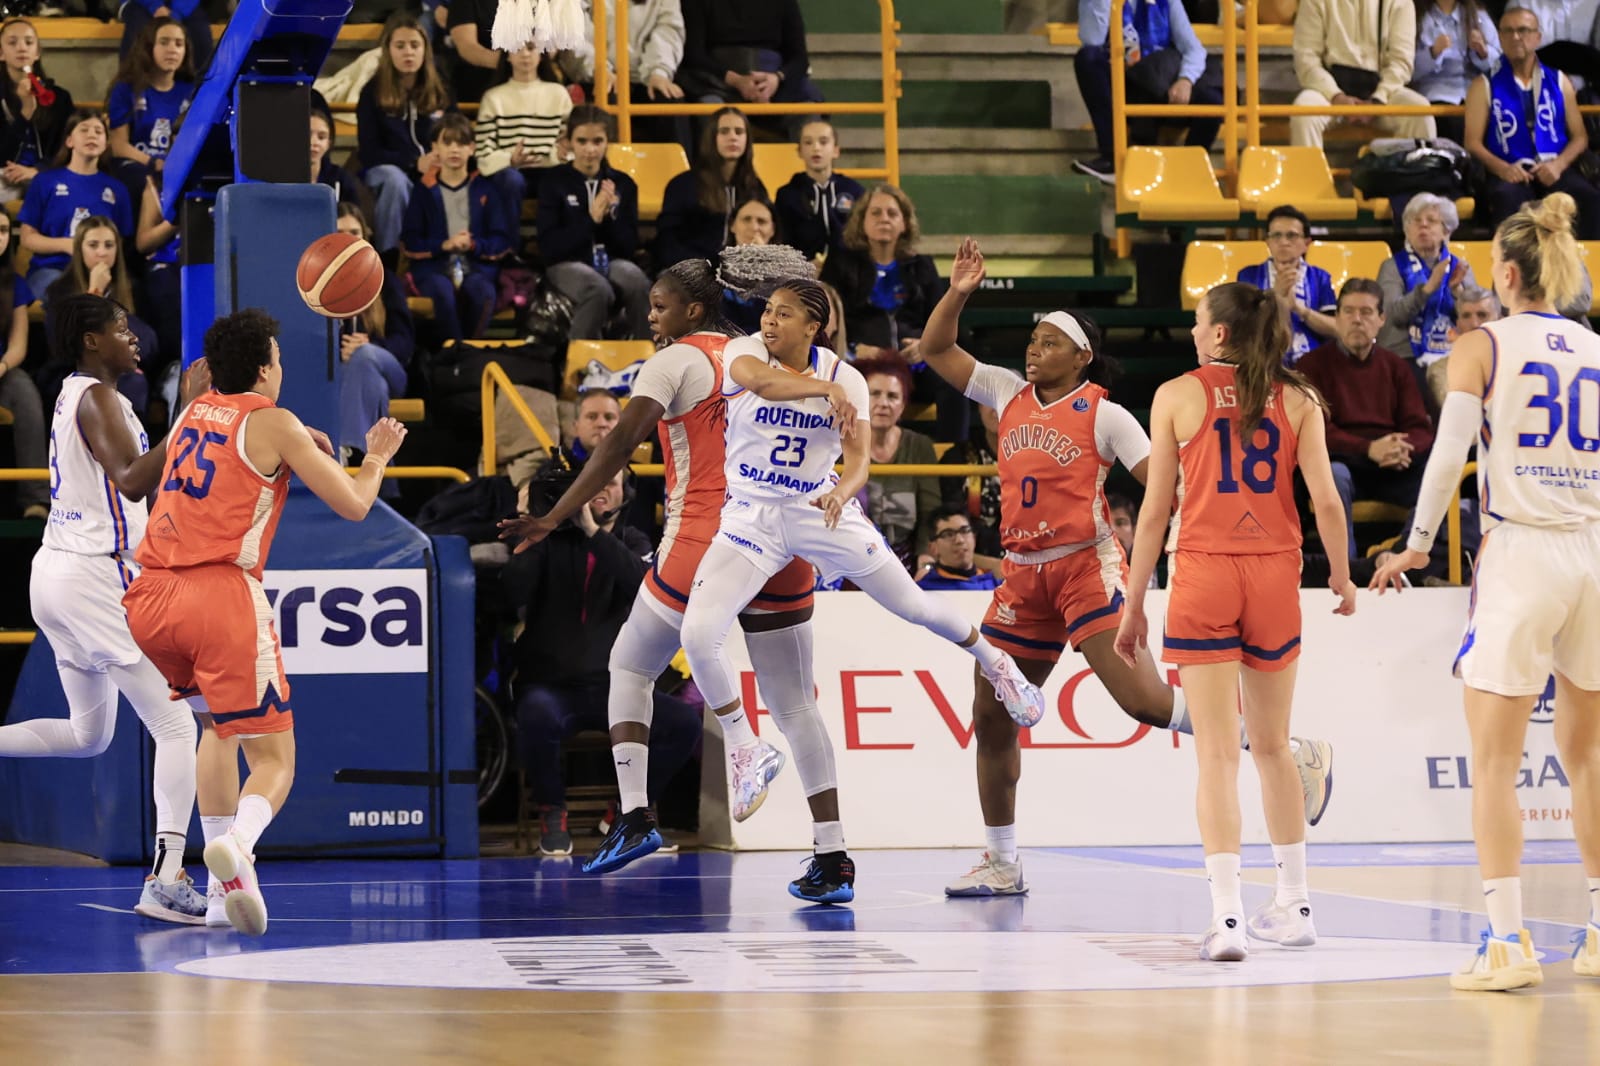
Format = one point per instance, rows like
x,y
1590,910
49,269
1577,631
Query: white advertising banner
x,y
350,621
898,704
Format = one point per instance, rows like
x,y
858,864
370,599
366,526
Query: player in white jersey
x,y
784,500
1527,389
101,469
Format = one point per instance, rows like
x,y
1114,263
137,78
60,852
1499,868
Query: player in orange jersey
x,y
197,609
1065,575
1226,439
680,390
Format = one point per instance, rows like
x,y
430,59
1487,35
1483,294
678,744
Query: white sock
x,y
632,760
828,836
1594,900
1180,714
1002,841
255,814
1222,871
1503,898
736,731
212,826
1291,861
1244,735
169,857
989,657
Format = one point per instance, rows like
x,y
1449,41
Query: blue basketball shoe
x,y
176,902
632,837
830,878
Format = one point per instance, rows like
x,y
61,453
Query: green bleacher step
x,y
915,16
1026,203
1007,104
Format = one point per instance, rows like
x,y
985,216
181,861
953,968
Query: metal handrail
x,y
624,108
495,377
1228,111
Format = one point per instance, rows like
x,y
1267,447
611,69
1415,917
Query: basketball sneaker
x,y
177,902
633,836
1586,951
1500,965
751,771
1290,926
1024,702
554,838
991,877
230,864
216,911
1225,941
829,878
1314,760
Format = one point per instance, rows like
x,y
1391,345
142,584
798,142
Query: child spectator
x,y
376,347
589,231
395,118
59,200
478,67
455,234
815,205
18,393
324,171
148,98
96,266
519,124
190,14
697,206
32,132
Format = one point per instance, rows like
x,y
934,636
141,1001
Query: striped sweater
x,y
531,112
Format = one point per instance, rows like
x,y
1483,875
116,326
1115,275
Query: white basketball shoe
x,y
216,909
1499,965
1586,951
1314,760
751,770
230,864
1290,926
1225,941
1022,698
991,877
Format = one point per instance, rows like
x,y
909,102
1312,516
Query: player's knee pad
x,y
631,699
802,726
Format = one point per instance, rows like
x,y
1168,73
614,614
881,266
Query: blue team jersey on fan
x,y
58,200
151,117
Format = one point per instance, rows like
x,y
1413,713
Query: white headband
x,y
1066,323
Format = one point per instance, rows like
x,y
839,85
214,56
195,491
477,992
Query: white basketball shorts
x,y
769,534
77,604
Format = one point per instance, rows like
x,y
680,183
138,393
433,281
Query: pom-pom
x,y
543,27
514,25
566,18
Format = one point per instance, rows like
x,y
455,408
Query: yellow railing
x,y
624,108
495,378
1452,524
1228,110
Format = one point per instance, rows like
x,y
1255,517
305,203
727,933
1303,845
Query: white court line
x,y
108,910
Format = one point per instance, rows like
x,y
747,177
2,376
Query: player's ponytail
x,y
1256,340
696,281
1539,240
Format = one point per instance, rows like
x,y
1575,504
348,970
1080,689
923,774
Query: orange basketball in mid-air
x,y
339,275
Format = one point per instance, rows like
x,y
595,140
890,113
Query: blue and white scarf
x,y
1430,330
1509,107
1145,25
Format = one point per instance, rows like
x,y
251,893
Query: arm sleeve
x,y
1118,435
1094,23
119,105
499,236
669,378
1193,54
663,48
994,386
493,156
697,39
620,230
1400,307
369,144
565,234
414,235
1327,301
1423,63
32,213
1458,426
1491,40
1397,48
1308,43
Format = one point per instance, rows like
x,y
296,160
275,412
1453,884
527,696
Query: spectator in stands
x,y
455,234
478,67
1527,160
1166,64
190,14
814,207
655,51
18,393
899,506
889,289
149,97
836,329
1352,52
1304,292
735,51
395,118
978,496
159,296
97,266
597,415
589,232
1456,42
32,132
754,222
376,347
574,590
1124,519
1474,307
1378,428
347,188
519,126
953,564
697,205
1422,283
60,199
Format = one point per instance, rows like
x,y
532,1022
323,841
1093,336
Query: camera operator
x,y
573,591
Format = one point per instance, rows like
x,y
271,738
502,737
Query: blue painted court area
x,y
478,923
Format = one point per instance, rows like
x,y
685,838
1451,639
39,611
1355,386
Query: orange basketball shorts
x,y
1041,607
1234,608
672,575
209,630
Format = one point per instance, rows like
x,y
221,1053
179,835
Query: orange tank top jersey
x,y
693,447
1052,476
1236,497
214,506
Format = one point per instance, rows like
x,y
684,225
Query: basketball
x,y
339,275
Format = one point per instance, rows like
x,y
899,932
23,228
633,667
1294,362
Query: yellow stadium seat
x,y
776,162
1065,34
5,417
1478,254
1272,177
650,166
1207,264
419,306
407,410
1344,260
1172,185
615,356
1371,512
1591,260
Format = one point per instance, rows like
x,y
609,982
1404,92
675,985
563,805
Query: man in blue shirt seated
x,y
953,545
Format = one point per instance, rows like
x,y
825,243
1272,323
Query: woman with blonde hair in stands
x,y
1232,432
1525,388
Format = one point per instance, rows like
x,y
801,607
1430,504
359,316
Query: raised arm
x,y
939,348
349,496
770,383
